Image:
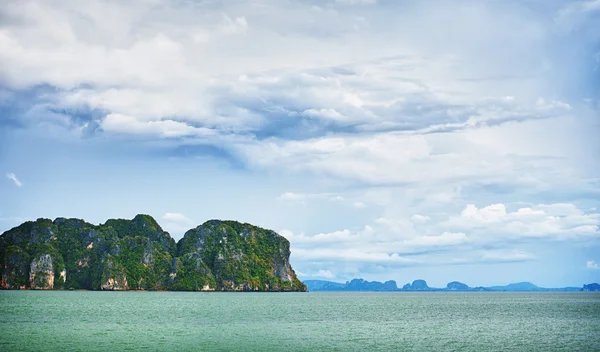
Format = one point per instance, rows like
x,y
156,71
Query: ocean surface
x,y
428,321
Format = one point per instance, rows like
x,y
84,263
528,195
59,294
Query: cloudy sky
x,y
385,139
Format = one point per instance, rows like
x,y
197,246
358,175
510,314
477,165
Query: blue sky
x,y
385,139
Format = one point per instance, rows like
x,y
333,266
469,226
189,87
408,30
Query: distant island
x,y
421,285
138,255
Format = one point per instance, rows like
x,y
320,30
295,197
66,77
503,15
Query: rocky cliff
x,y
138,255
234,257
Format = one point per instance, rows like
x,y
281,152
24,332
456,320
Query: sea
x,y
312,321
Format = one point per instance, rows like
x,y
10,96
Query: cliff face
x,y
231,256
29,256
41,273
138,254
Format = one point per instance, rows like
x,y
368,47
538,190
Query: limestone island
x,y
138,255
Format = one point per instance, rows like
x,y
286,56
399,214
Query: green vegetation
x,y
238,257
138,254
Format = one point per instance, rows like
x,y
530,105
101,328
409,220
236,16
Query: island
x,y
421,286
137,254
591,287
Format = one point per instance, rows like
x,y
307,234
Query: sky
x,y
386,140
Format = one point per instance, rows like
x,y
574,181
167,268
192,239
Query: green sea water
x,y
429,321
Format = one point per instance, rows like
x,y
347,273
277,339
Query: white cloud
x,y
491,234
177,218
378,245
507,256
14,220
571,14
14,178
420,218
352,255
591,264
167,128
291,196
178,60
400,157
359,205
561,221
324,113
239,25
399,226
176,224
191,70
343,237
490,213
542,104
355,2
326,274
445,239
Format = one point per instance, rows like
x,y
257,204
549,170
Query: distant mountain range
x,y
421,285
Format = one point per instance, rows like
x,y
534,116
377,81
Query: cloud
x,y
489,235
15,220
117,123
326,274
359,205
422,110
420,218
324,114
239,25
591,264
574,12
560,221
321,274
504,256
14,178
176,224
352,255
489,213
342,237
180,65
355,2
177,218
291,196
371,245
398,157
445,239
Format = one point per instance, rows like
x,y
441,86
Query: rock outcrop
x,y
518,286
417,285
457,286
231,256
353,285
41,273
591,287
421,285
363,285
138,255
